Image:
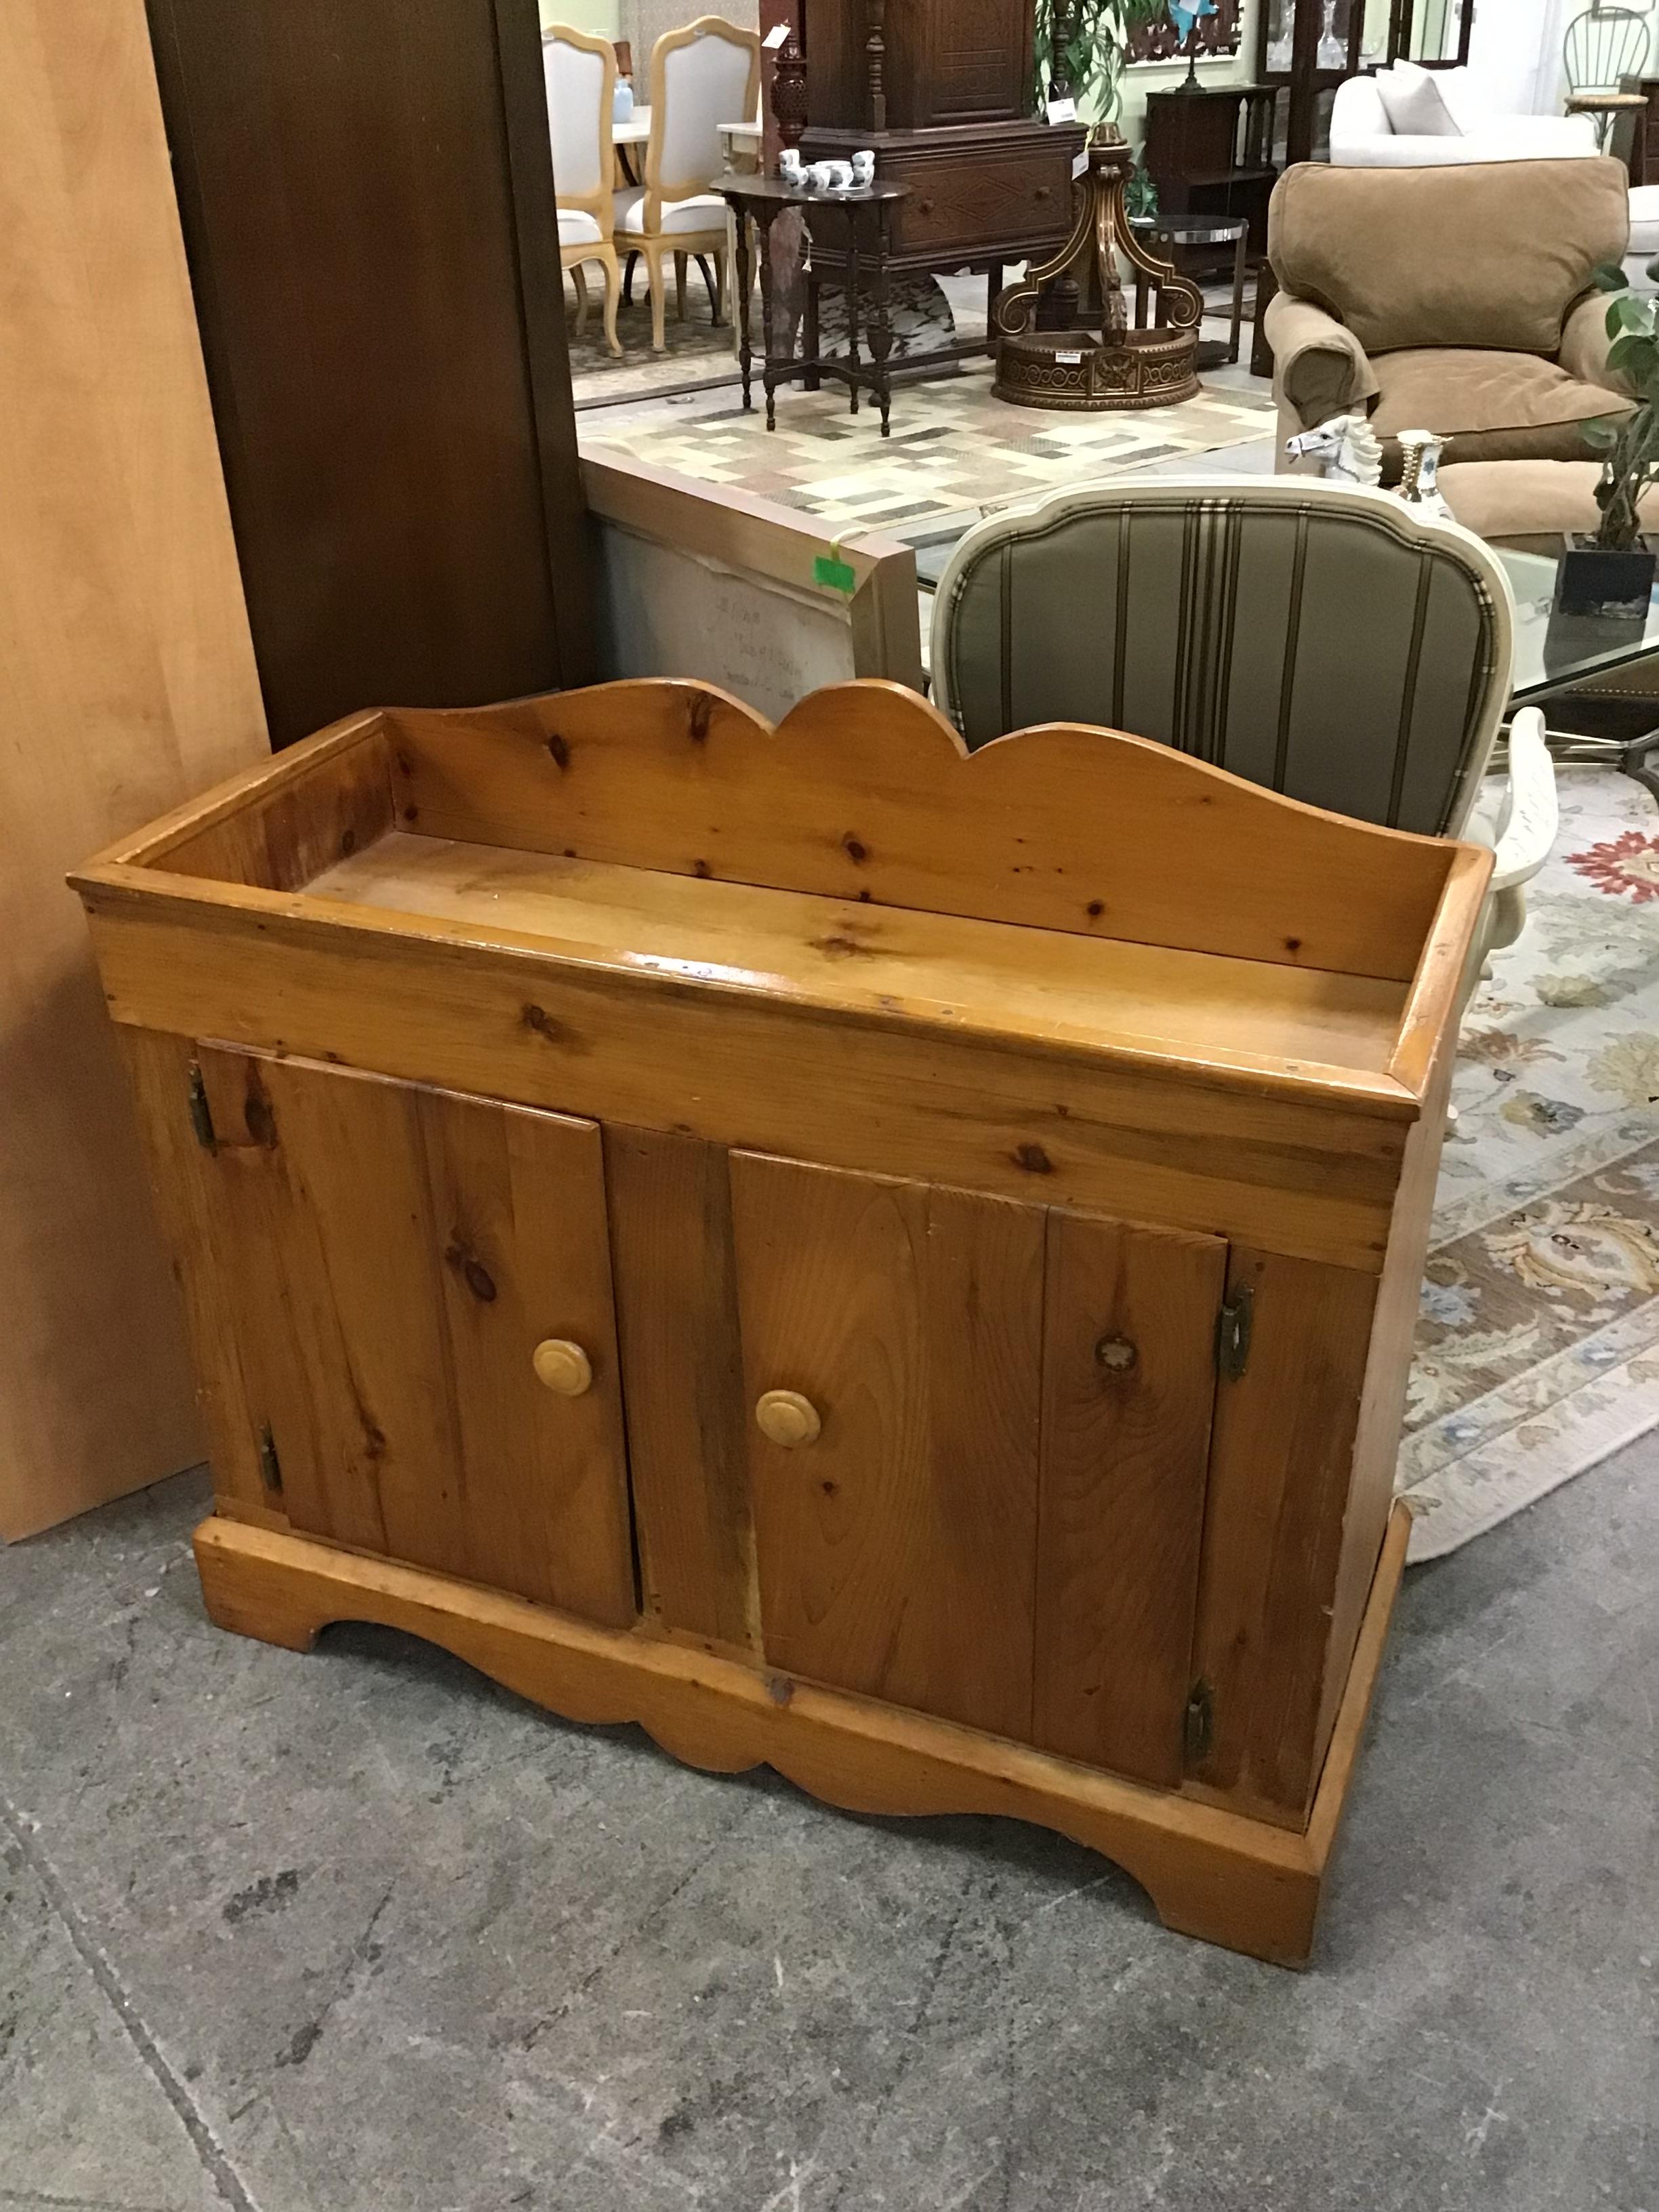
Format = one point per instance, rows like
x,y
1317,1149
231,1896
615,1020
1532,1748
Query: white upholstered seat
x,y
703,211
575,225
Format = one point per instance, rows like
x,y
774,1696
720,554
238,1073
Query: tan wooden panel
x,y
1301,1176
212,1269
294,829
518,1215
400,1254
1128,1383
866,792
897,1551
1281,1466
325,1174
1042,986
677,1317
129,683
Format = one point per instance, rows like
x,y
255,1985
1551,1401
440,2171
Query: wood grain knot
x,y
1116,1355
559,750
854,849
1033,1159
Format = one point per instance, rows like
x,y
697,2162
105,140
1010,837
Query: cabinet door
x,y
1128,1391
896,1549
402,1254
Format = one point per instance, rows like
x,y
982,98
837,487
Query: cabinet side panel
x,y
897,1549
1129,1387
207,1263
677,1319
1382,1407
1280,1467
519,1222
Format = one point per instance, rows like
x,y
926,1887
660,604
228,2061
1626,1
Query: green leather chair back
x,y
1325,641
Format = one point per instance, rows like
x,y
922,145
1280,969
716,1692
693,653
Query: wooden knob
x,y
563,1366
924,206
1045,192
787,1419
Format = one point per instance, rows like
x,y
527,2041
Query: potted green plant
x,y
1612,573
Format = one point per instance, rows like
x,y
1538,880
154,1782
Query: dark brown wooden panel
x,y
677,1317
897,1551
1128,1383
1280,1466
368,210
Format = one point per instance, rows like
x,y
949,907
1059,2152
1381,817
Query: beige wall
x,y
597,16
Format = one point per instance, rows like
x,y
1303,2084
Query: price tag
x,y
835,574
1063,111
1080,164
1069,359
774,38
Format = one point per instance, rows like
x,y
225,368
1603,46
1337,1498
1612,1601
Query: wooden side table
x,y
759,200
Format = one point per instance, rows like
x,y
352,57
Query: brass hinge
x,y
1232,1332
271,1467
1198,1729
201,1114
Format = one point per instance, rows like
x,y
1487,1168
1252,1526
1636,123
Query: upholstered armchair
x,y
1456,300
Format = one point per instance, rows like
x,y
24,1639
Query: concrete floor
x,y
357,1932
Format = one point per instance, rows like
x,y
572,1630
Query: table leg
x,y
1238,295
763,225
853,305
881,330
746,356
809,331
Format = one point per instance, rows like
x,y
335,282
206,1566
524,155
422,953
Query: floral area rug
x,y
1538,1345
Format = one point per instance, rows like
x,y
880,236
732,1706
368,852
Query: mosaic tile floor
x,y
954,446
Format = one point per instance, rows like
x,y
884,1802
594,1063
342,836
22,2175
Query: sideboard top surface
x,y
1064,889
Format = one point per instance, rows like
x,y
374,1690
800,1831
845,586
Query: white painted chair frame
x,y
1518,821
599,203
654,243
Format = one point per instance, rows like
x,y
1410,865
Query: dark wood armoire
x,y
368,201
944,91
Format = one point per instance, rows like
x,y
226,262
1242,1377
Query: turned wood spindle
x,y
875,50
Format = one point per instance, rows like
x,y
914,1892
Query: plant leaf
x,y
1609,277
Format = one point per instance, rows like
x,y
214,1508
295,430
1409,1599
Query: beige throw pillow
x,y
1411,100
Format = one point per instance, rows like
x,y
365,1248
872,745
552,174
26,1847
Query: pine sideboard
x,y
894,1265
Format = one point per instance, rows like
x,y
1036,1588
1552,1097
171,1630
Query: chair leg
x,y
580,281
659,305
628,279
679,287
612,291
714,280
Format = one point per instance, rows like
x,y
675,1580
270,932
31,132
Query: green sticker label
x,y
834,575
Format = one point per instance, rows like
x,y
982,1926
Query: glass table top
x,y
1552,652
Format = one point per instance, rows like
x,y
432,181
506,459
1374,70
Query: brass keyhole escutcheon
x,y
1116,1355
564,1367
785,1418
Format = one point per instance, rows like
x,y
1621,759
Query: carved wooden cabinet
x,y
943,92
826,1247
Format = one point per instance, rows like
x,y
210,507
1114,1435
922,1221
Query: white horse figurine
x,y
1347,448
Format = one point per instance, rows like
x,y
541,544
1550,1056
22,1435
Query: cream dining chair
x,y
1324,640
704,75
582,86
